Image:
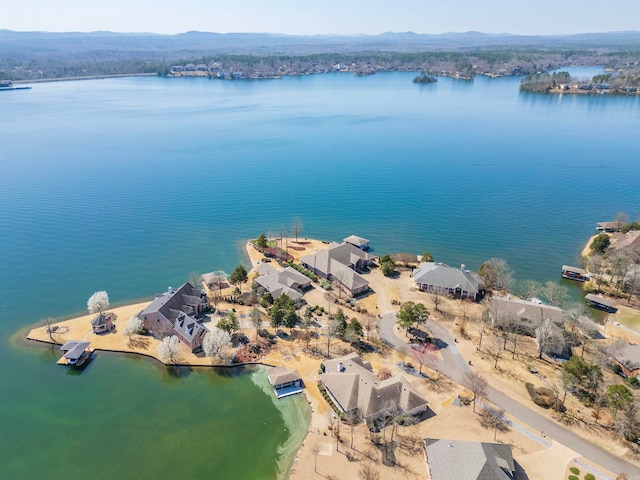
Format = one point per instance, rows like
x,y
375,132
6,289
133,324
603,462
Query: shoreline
x,y
90,77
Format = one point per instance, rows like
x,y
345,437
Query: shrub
x,y
589,476
575,470
573,477
543,397
632,382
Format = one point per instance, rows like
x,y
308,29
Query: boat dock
x,y
574,273
76,353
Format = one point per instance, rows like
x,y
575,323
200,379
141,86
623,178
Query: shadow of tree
x,y
140,343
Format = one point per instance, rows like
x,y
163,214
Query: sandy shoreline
x,y
540,457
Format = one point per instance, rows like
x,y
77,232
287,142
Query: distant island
x,y
425,78
626,82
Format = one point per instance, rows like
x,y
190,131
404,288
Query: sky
x,y
309,17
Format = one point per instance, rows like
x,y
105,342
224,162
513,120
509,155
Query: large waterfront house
x,y
460,460
441,278
280,282
354,388
341,262
178,312
628,358
102,323
527,315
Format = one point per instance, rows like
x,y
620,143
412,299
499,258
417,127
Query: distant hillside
x,y
29,55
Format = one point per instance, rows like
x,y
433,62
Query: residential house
x,y
285,382
528,315
628,357
629,240
280,282
178,312
354,387
102,323
341,263
460,283
461,460
359,242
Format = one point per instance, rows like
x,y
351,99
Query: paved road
x,y
454,366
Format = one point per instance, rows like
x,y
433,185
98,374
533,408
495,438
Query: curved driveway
x,y
454,366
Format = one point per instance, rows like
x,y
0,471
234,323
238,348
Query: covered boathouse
x,y
285,382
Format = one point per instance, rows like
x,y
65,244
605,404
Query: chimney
x,y
170,290
462,265
340,367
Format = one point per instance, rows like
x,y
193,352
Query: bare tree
x,y
437,295
369,324
494,350
98,302
423,355
296,227
331,332
482,323
620,261
528,289
478,386
195,279
169,348
568,383
621,219
368,471
599,398
256,319
47,321
494,418
627,427
596,266
632,281
555,293
497,274
548,335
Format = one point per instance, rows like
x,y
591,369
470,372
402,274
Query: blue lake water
x,y
128,185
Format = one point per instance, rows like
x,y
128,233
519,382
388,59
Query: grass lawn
x,y
628,317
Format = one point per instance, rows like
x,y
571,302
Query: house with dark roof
x,y
178,312
628,357
460,460
283,282
102,323
441,278
354,387
341,262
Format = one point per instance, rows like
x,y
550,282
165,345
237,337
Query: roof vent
x,y
170,290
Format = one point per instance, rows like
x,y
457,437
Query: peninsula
x,y
456,357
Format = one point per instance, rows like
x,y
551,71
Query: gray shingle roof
x,y
459,460
100,320
444,276
280,375
343,253
532,313
353,384
74,349
286,281
182,300
356,240
629,356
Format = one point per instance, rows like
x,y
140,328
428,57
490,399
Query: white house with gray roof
x,y
354,387
460,460
341,262
441,278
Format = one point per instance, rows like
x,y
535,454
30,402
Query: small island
x,y
425,77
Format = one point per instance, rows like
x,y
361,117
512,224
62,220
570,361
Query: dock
x,y
285,382
76,353
574,273
601,303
